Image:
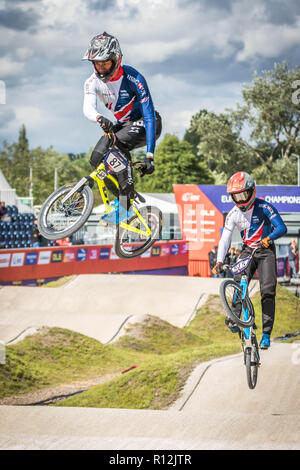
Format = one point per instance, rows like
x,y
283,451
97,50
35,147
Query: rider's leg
x,y
267,271
133,134
249,271
130,136
99,151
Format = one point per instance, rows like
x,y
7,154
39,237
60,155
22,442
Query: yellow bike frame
x,y
95,175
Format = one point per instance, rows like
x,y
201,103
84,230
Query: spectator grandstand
x,y
16,230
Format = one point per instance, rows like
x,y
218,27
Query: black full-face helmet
x,y
105,47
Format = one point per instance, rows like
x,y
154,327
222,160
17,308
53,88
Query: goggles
x,y
242,196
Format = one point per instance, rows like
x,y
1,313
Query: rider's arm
x,y
225,241
280,228
90,101
224,245
148,111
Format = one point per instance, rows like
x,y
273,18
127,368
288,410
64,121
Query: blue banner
x,y
81,254
31,258
284,198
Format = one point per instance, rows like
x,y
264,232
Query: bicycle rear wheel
x,y
133,241
231,295
57,220
251,364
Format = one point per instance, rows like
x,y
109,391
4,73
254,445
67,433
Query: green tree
x,y
261,134
192,134
175,163
17,159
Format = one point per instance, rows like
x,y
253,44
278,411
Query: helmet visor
x,y
241,197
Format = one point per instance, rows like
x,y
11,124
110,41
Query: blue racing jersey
x,y
260,221
127,96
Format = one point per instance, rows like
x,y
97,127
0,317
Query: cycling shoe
x,y
231,325
265,341
118,214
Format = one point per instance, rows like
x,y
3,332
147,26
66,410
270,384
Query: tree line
x,y
260,136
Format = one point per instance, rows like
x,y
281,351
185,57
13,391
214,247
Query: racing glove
x,y
148,166
217,268
265,242
105,124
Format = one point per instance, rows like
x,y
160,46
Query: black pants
x,y
264,261
129,136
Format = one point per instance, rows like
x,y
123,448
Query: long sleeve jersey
x,y
262,220
127,96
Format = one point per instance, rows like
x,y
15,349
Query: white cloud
x,y
9,67
269,40
44,75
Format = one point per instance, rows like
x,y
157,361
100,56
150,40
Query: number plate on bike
x,y
115,162
240,265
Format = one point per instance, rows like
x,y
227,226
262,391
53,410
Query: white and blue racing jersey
x,y
262,220
127,96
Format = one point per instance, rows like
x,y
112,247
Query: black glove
x,y
106,124
148,166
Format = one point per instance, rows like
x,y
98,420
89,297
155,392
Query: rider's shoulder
x,y
266,206
129,70
132,74
233,214
91,80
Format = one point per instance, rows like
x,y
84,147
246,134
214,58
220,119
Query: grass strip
x,y
165,356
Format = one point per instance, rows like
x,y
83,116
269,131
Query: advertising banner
x,y
284,198
45,263
200,219
17,259
44,257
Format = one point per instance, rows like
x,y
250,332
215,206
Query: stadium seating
x,y
16,230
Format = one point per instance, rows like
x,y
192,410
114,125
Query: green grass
x,y
165,356
54,356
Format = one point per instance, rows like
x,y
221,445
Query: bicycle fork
x,y
248,336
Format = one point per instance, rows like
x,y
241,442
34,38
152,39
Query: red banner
x,y
201,223
36,263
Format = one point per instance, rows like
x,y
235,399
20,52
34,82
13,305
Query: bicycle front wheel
x,y
251,364
232,298
139,234
59,220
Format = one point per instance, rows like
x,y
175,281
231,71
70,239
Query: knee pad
x,y
96,158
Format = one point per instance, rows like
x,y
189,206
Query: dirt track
x,y
215,411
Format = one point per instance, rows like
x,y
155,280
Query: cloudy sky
x,y
194,54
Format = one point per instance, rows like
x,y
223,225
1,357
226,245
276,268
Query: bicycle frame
x,y
247,334
98,175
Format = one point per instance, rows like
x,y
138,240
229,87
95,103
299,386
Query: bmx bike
x,y
240,310
67,209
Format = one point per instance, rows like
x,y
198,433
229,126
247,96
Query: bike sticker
x,y
240,265
115,163
101,174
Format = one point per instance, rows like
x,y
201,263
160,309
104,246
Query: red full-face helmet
x,y
242,189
